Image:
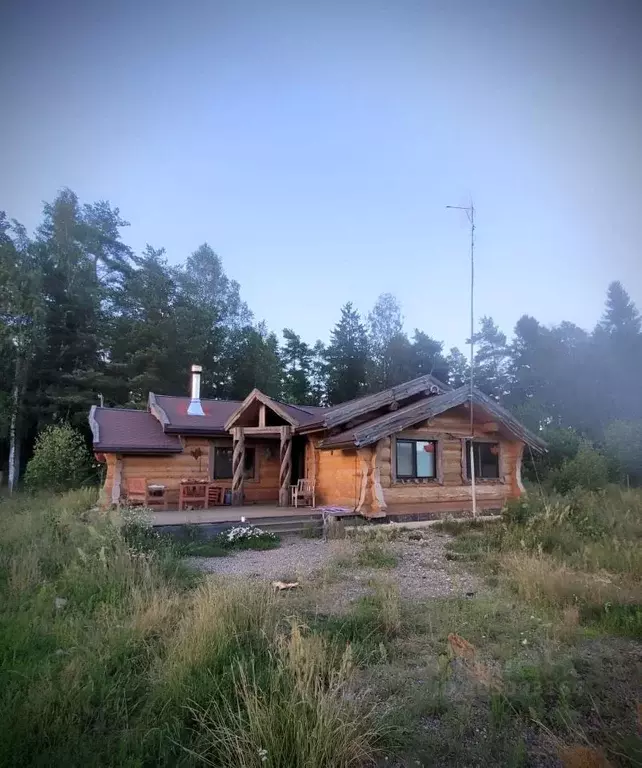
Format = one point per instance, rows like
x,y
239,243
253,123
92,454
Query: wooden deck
x,y
227,514
394,513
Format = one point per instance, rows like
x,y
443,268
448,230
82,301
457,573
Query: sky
x,y
316,145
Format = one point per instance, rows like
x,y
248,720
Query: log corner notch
x,y
371,501
285,470
238,465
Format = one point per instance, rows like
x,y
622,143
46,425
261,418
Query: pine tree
x,y
621,319
347,357
458,368
491,360
428,357
297,363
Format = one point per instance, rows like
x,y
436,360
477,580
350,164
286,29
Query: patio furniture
x,y
138,492
214,495
192,494
303,492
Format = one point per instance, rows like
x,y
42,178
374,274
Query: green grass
x,y
111,653
370,554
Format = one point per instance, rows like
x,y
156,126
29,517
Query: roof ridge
x,y
187,397
298,407
120,408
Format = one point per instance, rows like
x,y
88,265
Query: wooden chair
x,y
138,492
214,495
303,491
192,495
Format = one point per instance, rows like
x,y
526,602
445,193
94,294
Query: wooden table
x,y
199,494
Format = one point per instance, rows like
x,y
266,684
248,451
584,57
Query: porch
x,y
228,514
395,513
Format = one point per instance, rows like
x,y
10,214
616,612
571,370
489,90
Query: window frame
x,y
465,460
228,446
414,477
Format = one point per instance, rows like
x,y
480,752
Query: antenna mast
x,y
470,213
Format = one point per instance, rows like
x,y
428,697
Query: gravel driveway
x,y
422,570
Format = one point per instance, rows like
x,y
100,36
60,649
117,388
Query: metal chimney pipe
x,y
195,408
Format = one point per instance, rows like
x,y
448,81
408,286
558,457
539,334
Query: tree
x,y
623,445
390,353
428,357
491,360
458,368
147,351
318,374
60,460
347,357
616,356
21,319
297,363
621,318
210,287
253,360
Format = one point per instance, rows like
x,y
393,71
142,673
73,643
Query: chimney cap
x,y
197,368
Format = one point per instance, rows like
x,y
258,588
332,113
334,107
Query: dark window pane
x,y
405,464
248,467
222,464
486,457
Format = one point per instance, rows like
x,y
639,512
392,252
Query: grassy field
x,y
112,653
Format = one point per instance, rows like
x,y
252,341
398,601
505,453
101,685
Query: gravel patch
x,y
422,571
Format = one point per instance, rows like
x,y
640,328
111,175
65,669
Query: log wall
x,y
337,475
170,470
450,429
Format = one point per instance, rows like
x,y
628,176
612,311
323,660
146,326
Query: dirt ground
x,y
422,570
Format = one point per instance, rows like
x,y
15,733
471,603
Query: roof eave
x,y
128,449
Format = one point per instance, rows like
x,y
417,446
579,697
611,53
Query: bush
x,y
623,446
589,470
60,460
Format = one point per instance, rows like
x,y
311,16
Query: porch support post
x,y
285,472
378,506
118,479
238,465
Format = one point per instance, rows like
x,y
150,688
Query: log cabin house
x,y
401,450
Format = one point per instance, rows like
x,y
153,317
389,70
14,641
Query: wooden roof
x,y
345,412
395,421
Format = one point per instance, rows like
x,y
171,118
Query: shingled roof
x,y
372,431
171,412
126,430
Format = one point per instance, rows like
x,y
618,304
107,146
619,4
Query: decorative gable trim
x,y
257,396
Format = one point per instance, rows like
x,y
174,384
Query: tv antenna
x,y
470,213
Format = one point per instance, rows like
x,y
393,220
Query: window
x,y
486,460
222,464
416,459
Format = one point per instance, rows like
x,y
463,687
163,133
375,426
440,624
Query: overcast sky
x,y
316,145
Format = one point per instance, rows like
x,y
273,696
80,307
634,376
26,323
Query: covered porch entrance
x,y
259,417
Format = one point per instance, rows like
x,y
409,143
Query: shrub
x,y
60,460
623,446
374,555
588,470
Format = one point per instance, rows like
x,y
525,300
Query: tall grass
x,y
112,653
583,549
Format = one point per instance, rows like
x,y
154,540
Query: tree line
x,y
84,319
